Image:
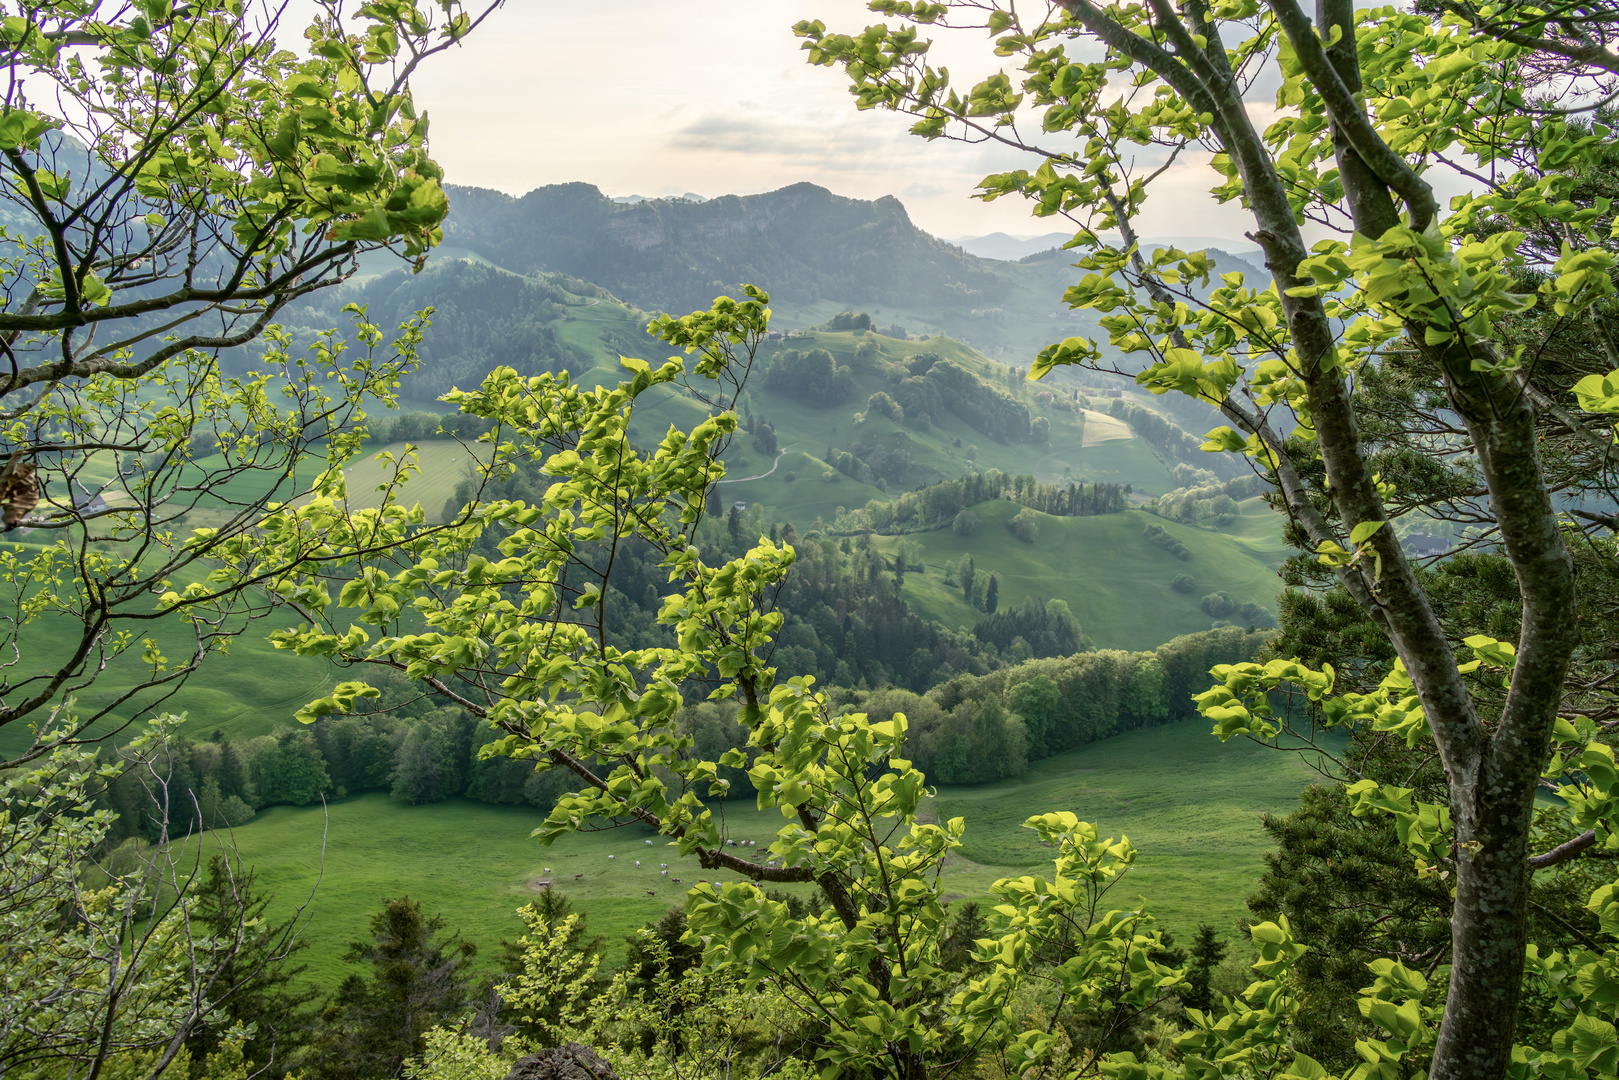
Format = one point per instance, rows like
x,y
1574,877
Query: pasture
x,y
1189,803
1116,584
251,691
443,463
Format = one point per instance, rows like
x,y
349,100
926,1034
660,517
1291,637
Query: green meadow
x,y
249,690
1190,804
1116,584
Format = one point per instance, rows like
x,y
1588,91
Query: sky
x,y
664,97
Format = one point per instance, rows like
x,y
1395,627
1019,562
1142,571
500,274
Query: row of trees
x,y
1166,437
1047,706
937,505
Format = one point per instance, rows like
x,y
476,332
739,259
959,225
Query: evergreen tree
x,y
1207,952
418,980
992,594
256,985
968,572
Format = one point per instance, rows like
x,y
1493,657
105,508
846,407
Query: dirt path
x,y
762,475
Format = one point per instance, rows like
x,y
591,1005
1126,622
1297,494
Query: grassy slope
x,y
444,463
1116,584
809,429
252,690
1190,804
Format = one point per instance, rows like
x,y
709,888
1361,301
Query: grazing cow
x,y
547,869
649,843
638,864
612,856
676,880
576,877
651,892
665,873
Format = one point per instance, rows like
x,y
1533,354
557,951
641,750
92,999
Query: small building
x,y
739,506
1115,393
87,502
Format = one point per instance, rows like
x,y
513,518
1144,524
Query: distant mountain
x,y
631,200
1010,248
1003,246
803,243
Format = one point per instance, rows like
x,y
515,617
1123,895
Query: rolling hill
x,y
1115,583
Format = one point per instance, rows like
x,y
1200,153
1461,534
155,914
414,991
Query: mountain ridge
x,y
802,242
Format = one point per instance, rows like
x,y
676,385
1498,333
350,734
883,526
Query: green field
x,y
1116,584
249,691
444,463
1189,803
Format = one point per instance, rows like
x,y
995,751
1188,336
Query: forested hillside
x,y
674,255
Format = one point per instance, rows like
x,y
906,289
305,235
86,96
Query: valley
x,y
1189,803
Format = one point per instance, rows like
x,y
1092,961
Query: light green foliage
x,y
177,180
1399,1000
90,972
698,1023
1367,101
868,967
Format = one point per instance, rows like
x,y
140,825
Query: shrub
x,y
790,476
1218,605
965,524
1025,525
1158,537
1183,583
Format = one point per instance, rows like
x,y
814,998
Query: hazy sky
x,y
661,97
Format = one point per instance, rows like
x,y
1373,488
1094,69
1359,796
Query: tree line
x,y
938,505
978,728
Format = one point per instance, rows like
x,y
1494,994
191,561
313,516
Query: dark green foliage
x,y
1165,436
764,437
288,768
417,980
813,377
981,406
848,320
255,985
432,761
965,523
992,594
1183,583
1217,605
483,318
1347,886
1205,955
966,927
1045,629
1157,536
936,505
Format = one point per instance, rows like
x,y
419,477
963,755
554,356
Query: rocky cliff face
x,y
802,243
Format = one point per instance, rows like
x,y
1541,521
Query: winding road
x,y
762,475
